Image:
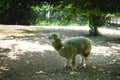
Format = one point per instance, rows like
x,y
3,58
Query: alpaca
x,y
71,47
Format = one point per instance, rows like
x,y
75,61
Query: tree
x,y
21,12
95,9
18,11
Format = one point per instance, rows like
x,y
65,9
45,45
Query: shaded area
x,y
3,50
48,65
45,64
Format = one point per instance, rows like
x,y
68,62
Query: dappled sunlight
x,y
36,43
100,50
104,50
32,56
4,68
19,47
40,72
33,46
110,32
25,45
64,27
12,56
115,46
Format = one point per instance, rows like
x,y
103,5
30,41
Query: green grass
x,y
13,32
31,31
61,23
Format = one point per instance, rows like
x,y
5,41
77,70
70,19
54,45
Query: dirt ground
x,y
26,54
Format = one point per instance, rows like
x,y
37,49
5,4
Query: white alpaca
x,y
71,47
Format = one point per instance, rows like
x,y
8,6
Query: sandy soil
x,y
29,56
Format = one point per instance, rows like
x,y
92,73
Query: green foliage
x,y
28,12
17,12
43,23
98,8
48,15
94,6
42,7
63,12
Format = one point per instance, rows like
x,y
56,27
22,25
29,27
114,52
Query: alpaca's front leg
x,y
83,62
67,63
73,63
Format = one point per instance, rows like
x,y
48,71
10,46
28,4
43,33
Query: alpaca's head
x,y
56,42
53,37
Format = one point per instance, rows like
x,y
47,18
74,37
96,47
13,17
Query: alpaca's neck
x,y
57,44
58,47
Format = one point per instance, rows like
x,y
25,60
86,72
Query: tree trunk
x,y
93,24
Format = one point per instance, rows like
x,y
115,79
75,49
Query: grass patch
x,y
62,22
14,32
19,32
31,31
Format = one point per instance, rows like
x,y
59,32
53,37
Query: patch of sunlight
x,y
103,50
18,32
40,72
18,47
109,32
7,43
4,68
30,31
14,32
13,56
25,45
2,36
116,46
64,27
33,46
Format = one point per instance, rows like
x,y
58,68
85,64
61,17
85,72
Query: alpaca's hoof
x,y
74,69
81,66
67,67
74,72
84,65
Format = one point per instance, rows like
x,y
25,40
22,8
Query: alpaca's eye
x,y
55,36
48,37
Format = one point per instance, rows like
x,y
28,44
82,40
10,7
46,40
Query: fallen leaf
x,y
93,67
118,77
40,72
100,69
